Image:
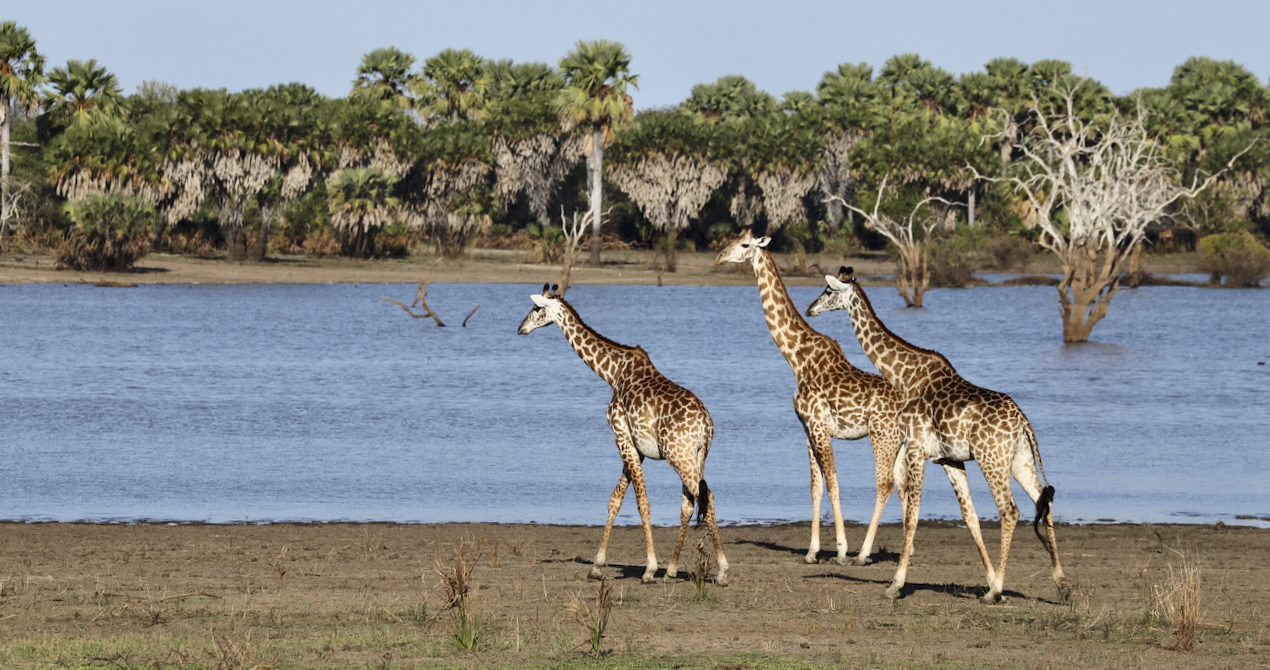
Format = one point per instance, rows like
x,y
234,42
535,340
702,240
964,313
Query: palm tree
x,y
597,76
453,87
384,76
83,93
294,125
361,202
21,72
730,98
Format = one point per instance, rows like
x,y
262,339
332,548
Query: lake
x,y
270,403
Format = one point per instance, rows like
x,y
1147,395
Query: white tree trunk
x,y
595,177
4,166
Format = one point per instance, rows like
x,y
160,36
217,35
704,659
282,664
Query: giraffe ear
x,y
834,283
762,242
538,300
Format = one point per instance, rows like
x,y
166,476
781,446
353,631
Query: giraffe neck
x,y
905,366
607,358
796,340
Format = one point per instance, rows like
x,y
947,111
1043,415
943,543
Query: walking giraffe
x,y
834,398
950,421
651,417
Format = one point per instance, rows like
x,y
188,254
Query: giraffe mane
x,y
564,303
864,298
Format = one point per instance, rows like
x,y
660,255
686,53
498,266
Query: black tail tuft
x,y
1043,505
703,501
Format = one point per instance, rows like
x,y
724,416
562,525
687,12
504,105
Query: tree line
x,y
458,148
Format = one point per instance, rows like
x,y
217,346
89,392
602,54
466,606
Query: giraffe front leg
x,y
817,492
615,505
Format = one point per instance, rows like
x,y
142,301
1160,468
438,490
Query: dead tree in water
x,y
422,301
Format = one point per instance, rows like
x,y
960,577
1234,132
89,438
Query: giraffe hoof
x,y
648,579
861,561
810,559
720,581
596,574
891,593
991,598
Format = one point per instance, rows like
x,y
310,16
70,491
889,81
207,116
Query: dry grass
x,y
466,620
1178,600
594,620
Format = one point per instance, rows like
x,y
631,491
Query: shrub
x,y
1239,257
952,261
111,232
1007,252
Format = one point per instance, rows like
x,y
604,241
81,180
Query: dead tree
x,y
1110,180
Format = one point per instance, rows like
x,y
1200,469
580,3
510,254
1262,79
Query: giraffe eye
x,y
745,246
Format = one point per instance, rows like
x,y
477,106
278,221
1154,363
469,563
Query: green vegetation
x,y
469,150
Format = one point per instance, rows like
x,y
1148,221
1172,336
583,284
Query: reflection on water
x,y
323,402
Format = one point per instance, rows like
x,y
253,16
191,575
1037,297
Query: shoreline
x,y
499,266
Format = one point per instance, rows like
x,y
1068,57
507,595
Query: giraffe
x,y
833,399
651,417
950,421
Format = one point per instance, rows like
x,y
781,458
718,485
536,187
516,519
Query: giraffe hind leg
x,y
1024,472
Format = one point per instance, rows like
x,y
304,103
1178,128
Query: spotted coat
x,y
948,420
651,417
833,398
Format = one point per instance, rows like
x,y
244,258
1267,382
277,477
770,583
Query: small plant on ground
x,y
1178,601
466,620
701,572
594,620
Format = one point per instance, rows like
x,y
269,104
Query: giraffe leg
x,y
1024,472
910,469
998,477
685,515
615,505
821,444
885,446
641,499
961,486
712,526
817,492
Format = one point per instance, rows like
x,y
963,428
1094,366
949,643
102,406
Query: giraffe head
x,y
835,294
546,310
744,249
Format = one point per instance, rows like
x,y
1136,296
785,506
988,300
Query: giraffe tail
x,y
1045,503
702,501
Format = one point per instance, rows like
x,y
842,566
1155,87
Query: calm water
x,y
322,402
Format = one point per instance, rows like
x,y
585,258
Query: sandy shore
x,y
368,595
484,266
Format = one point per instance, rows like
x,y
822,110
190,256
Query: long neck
x,y
607,358
905,366
796,340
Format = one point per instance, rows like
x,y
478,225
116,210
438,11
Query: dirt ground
x,y
369,595
488,266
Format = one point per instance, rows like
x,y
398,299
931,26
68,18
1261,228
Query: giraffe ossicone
x,y
651,417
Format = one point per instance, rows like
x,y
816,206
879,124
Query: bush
x,y
1239,257
111,233
1007,252
952,261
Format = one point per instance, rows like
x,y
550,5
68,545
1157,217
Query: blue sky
x,y
781,46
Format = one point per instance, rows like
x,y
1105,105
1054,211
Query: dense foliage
x,y
457,147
